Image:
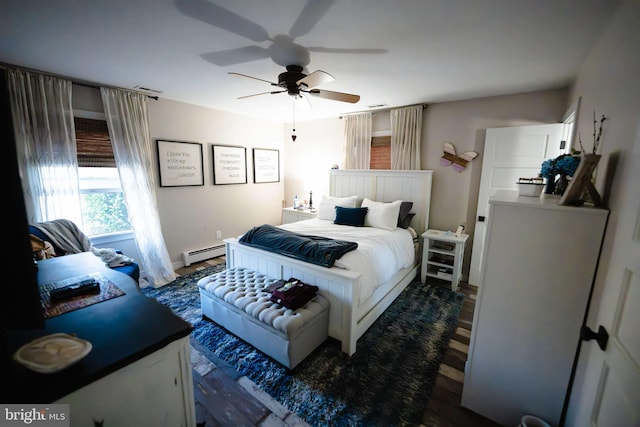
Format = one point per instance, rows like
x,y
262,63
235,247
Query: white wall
x,y
190,216
608,83
319,145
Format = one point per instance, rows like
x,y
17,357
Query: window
x,y
380,152
104,210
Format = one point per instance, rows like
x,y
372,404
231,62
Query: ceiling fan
x,y
295,82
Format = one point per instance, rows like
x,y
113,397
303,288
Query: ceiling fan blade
x,y
218,16
254,78
316,78
240,55
309,17
335,96
263,93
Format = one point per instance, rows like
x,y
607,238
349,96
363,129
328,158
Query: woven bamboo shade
x,y
93,143
380,152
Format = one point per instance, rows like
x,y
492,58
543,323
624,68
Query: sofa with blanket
x,y
61,237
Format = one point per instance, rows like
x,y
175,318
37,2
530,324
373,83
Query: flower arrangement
x,y
564,164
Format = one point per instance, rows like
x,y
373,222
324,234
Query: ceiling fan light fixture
x,y
294,80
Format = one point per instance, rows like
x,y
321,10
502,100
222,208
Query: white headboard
x,y
387,186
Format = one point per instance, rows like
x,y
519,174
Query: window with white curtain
x,y
104,210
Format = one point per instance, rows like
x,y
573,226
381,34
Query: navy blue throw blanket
x,y
313,249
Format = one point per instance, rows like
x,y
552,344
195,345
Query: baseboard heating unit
x,y
202,254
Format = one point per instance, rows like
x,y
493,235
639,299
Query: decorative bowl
x,y
530,189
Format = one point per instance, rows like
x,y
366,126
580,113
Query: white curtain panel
x,y
357,135
46,144
128,124
406,128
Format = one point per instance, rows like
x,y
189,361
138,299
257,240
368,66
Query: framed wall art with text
x,y
180,163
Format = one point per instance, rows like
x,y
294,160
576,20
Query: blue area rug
x,y
386,382
182,295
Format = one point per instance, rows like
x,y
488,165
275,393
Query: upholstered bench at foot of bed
x,y
237,300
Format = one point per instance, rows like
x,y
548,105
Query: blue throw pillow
x,y
350,216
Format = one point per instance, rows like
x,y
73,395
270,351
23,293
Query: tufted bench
x,y
237,300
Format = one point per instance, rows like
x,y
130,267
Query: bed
x,y
354,306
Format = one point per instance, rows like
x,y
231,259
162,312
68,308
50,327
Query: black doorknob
x,y
601,337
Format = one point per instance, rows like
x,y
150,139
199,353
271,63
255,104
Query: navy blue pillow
x,y
350,216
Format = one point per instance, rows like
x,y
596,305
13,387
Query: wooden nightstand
x,y
290,215
442,254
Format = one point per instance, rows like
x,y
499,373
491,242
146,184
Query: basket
x,y
530,189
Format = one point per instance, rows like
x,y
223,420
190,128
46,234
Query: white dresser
x,y
155,390
138,372
538,265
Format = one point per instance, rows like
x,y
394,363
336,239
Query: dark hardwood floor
x,y
224,398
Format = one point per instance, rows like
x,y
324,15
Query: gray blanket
x,y
66,235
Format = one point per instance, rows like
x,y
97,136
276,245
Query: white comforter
x,y
379,256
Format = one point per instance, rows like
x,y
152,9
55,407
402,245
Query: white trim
x,y
99,239
380,133
571,115
84,114
570,119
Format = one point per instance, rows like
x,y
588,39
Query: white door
x,y
510,153
609,392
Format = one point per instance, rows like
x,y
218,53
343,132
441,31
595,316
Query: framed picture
x,y
581,181
229,165
266,165
180,163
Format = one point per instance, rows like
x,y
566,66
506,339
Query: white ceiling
x,y
406,51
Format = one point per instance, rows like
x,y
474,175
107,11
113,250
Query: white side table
x,y
290,215
442,255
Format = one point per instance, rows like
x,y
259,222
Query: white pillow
x,y
382,215
327,207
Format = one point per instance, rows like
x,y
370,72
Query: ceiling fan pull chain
x,y
293,136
